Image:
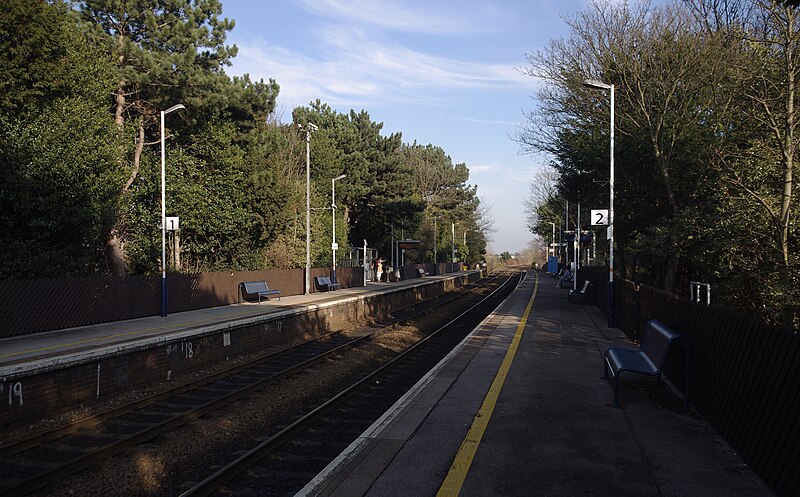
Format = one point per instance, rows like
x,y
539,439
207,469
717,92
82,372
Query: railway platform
x,y
43,373
528,413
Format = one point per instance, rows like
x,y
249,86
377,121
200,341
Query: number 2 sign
x,y
599,217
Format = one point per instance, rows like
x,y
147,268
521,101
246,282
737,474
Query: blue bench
x,y
648,359
259,288
325,284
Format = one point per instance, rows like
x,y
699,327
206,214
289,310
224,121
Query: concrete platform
x,y
52,371
532,415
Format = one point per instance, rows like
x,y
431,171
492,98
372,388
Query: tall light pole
x,y
333,222
453,242
590,83
435,233
308,129
164,215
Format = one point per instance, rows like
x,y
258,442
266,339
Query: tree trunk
x,y
784,270
671,265
115,249
115,246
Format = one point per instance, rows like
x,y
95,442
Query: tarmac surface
x,y
545,423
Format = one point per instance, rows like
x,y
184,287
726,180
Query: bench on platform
x,y
582,295
648,359
325,284
421,272
259,288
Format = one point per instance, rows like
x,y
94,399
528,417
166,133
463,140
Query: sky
x,y
440,72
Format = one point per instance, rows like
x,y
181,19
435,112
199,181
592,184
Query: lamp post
x,y
453,242
435,233
308,129
333,222
553,244
590,83
164,215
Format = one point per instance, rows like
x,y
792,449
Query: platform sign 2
x,y
599,217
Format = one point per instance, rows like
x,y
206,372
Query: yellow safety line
x,y
466,453
135,332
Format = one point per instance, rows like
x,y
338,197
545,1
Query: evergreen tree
x,y
57,148
168,52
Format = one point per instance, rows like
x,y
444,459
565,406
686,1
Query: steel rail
x,y
88,459
241,464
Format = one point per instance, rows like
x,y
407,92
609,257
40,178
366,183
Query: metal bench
x,y
421,272
259,288
576,296
648,359
325,284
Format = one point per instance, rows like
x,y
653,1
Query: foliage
x,y
80,167
57,171
704,144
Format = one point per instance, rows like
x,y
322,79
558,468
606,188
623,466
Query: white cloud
x,y
483,168
351,69
397,16
488,121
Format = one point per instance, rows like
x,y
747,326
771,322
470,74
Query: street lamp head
x,y
312,126
174,107
341,176
598,85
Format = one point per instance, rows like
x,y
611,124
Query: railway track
x,y
283,463
35,463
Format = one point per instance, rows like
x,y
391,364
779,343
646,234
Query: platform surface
x,y
549,429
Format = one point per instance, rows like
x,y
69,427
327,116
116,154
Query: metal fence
x,y
32,306
745,374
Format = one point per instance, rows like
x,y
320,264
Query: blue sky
x,y
440,72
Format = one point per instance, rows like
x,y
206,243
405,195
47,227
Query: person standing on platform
x,y
379,269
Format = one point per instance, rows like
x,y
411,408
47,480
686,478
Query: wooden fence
x,y
745,375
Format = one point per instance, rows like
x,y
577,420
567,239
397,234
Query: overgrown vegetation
x,y
705,143
82,89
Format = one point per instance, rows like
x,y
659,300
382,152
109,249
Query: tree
x,y
665,76
705,140
166,53
56,147
378,188
757,159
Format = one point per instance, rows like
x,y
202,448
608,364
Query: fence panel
x,y
30,306
744,379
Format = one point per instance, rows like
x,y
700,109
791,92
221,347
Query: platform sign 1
x,y
599,217
172,223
